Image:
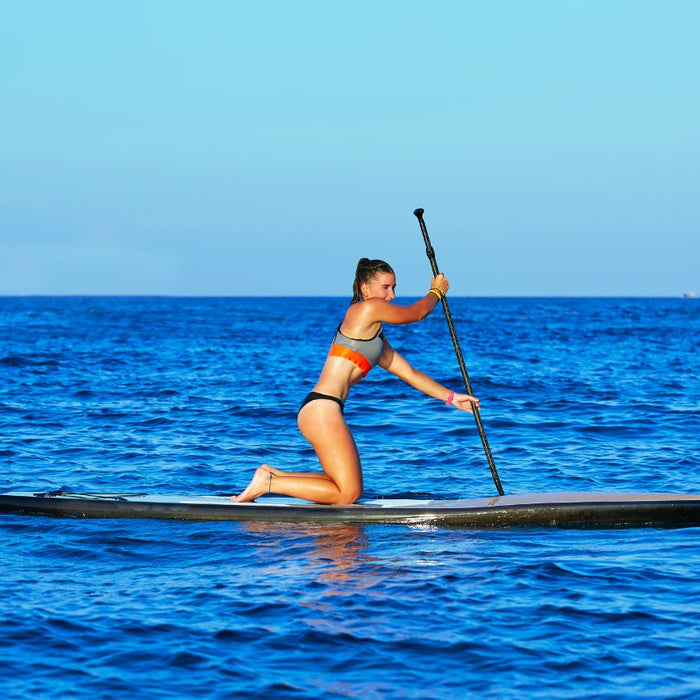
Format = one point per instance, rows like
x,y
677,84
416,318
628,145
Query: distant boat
x,y
689,295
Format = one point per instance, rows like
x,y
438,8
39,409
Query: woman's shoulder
x,y
362,318
367,312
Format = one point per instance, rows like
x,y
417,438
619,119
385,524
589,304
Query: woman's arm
x,y
396,364
373,311
382,311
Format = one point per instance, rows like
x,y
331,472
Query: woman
x,y
358,346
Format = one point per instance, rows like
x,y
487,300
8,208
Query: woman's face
x,y
382,286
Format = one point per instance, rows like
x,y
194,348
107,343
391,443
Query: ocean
x,y
190,395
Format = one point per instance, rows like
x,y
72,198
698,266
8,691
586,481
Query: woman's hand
x,y
440,283
465,402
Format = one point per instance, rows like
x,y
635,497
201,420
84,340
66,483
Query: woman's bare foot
x,y
259,485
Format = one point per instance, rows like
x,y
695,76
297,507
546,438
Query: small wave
x,y
27,361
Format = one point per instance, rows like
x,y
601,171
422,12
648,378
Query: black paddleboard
x,y
565,510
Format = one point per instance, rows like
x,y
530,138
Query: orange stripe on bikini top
x,y
360,360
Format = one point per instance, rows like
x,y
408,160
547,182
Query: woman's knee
x,y
349,495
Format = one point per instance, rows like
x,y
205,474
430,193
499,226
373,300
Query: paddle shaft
x,y
430,252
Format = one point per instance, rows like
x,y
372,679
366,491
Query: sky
x,y
219,147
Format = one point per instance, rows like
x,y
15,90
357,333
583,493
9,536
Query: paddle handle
x,y
430,252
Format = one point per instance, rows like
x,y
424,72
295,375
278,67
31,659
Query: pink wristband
x,y
449,398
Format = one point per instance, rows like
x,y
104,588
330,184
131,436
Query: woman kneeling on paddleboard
x,y
359,345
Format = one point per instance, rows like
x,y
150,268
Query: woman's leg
x,y
321,423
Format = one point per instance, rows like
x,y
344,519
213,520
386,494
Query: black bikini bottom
x,y
312,396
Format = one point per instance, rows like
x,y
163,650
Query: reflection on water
x,y
330,553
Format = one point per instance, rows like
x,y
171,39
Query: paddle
x,y
477,416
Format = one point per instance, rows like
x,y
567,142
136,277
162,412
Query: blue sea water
x,y
181,395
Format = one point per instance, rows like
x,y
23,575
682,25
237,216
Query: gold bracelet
x,y
436,292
